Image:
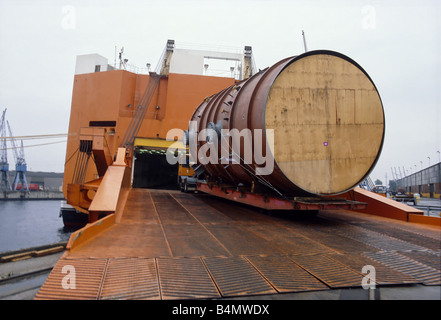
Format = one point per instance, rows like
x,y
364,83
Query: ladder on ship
x,y
140,112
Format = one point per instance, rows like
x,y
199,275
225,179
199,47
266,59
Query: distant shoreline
x,y
32,195
49,184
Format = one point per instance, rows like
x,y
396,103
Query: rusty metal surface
x,y
130,278
384,275
376,240
290,242
432,242
171,245
331,272
88,277
425,274
284,275
185,278
409,232
235,276
429,258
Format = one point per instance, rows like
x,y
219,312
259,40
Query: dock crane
x,y
4,165
20,164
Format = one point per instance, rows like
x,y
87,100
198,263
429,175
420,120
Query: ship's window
x,y
102,123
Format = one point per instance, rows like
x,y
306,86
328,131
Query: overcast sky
x,y
397,42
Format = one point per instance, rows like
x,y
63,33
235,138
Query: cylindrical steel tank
x,y
322,121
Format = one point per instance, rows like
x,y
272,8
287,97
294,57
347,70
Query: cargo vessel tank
x,y
311,124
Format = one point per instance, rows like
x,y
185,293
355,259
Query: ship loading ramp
x,y
172,245
147,243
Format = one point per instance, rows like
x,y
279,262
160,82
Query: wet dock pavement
x,y
21,280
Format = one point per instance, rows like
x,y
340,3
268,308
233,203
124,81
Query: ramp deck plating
x,y
171,245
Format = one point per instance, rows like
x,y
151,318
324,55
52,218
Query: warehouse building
x,y
426,182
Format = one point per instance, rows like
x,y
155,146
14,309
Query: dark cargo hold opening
x,y
151,170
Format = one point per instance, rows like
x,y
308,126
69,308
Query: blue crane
x,y
4,165
20,164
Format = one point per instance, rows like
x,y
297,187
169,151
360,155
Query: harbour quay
x,y
42,186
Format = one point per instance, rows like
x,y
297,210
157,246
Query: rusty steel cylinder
x,y
318,116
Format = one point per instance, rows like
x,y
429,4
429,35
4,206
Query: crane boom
x,y
4,165
20,163
3,153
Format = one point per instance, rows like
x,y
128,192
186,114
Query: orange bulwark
x,y
157,243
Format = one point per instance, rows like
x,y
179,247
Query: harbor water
x,y
30,223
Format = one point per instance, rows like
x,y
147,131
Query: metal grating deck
x,y
236,277
130,278
170,245
185,278
384,275
88,274
331,272
284,275
425,274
